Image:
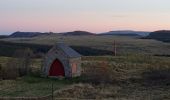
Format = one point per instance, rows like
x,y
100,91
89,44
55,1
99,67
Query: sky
x,y
86,15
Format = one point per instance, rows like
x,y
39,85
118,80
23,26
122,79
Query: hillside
x,y
74,33
35,34
95,43
26,34
3,36
163,35
9,48
78,33
126,33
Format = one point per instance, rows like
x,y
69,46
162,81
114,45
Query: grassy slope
x,y
124,44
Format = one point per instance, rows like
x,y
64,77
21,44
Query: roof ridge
x,y
68,50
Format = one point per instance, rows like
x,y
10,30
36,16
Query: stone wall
x,y
52,55
72,63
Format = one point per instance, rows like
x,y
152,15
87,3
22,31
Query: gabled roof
x,y
68,50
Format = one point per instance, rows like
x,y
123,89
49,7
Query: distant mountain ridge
x,y
74,33
3,36
126,33
26,34
79,33
34,34
161,35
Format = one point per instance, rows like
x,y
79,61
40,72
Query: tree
x,y
19,65
24,61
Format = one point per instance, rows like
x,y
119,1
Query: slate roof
x,y
68,50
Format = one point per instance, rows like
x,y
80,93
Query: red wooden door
x,y
57,69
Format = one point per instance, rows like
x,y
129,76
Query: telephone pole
x,y
115,48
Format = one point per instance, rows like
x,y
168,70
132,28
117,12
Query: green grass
x,y
30,86
3,60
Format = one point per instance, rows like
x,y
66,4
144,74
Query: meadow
x,y
32,85
140,71
134,77
125,45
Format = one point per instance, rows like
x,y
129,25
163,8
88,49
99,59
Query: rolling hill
x,y
78,33
3,36
162,35
35,34
27,34
74,33
126,33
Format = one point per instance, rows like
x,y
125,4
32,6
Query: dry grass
x,y
125,45
136,77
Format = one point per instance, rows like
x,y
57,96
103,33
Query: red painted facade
x,y
56,69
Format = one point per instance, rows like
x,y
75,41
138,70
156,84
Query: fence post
x,y
114,48
52,92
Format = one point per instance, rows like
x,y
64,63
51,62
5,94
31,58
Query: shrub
x,y
20,65
23,59
10,71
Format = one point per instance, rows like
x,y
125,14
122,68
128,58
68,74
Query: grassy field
x,y
125,45
32,85
135,74
136,77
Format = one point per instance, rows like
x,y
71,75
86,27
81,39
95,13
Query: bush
x,y
10,71
20,65
23,59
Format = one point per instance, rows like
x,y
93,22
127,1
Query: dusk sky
x,y
88,15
